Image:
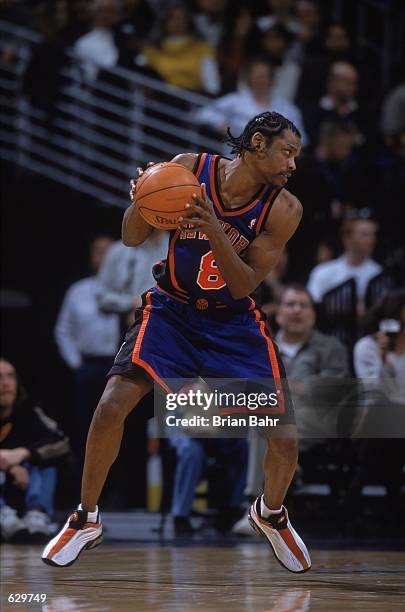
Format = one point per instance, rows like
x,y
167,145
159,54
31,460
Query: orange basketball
x,y
162,193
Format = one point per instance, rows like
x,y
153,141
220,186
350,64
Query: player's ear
x,y
259,142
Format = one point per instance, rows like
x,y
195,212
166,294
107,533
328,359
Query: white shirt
x,y
96,49
290,350
326,276
82,328
127,272
388,377
236,109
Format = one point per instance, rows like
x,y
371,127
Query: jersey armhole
x,y
196,163
266,210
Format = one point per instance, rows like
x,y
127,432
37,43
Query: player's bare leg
x,y
280,462
83,528
120,397
267,514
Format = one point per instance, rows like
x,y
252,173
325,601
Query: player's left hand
x,y
200,214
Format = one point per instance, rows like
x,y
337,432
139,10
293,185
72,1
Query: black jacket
x,y
29,427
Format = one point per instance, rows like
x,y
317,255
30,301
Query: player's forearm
x,y
238,275
135,230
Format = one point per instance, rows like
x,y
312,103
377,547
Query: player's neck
x,y
237,182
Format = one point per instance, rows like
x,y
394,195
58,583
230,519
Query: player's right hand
x,y
133,182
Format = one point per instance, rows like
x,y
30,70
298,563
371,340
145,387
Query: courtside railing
x,y
90,133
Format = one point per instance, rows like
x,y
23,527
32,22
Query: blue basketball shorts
x,y
171,341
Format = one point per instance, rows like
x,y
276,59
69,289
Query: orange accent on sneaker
x,y
293,546
64,539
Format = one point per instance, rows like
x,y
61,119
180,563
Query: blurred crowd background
x,y
92,89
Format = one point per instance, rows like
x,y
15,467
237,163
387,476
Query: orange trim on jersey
x,y
200,165
215,198
174,297
137,348
266,207
273,363
172,264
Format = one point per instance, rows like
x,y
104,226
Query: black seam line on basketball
x,y
151,171
165,188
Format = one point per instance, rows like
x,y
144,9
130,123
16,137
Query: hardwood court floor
x,y
244,578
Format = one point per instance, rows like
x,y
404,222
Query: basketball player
x,y
200,321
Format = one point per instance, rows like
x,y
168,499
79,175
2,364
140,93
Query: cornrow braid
x,y
269,124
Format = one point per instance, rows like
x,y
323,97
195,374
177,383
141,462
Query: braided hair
x,y
270,124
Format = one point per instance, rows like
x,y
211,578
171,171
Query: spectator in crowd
x,y
379,362
254,96
317,368
87,339
281,12
30,443
97,48
341,184
127,273
359,239
274,44
180,57
209,20
339,103
191,457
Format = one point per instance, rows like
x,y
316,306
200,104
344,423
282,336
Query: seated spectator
x,y
274,44
180,57
253,97
339,102
97,49
317,368
359,239
192,454
316,364
87,339
379,362
30,443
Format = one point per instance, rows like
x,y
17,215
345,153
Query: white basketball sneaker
x,y
287,545
76,535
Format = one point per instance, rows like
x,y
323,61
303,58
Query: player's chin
x,y
280,180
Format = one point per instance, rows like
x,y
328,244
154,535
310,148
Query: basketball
x,y
162,193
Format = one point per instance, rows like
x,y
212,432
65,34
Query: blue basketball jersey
x,y
191,274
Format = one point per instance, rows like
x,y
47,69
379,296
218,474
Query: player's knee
x,y
109,413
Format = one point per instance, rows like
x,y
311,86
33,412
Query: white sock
x,y
91,516
265,511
